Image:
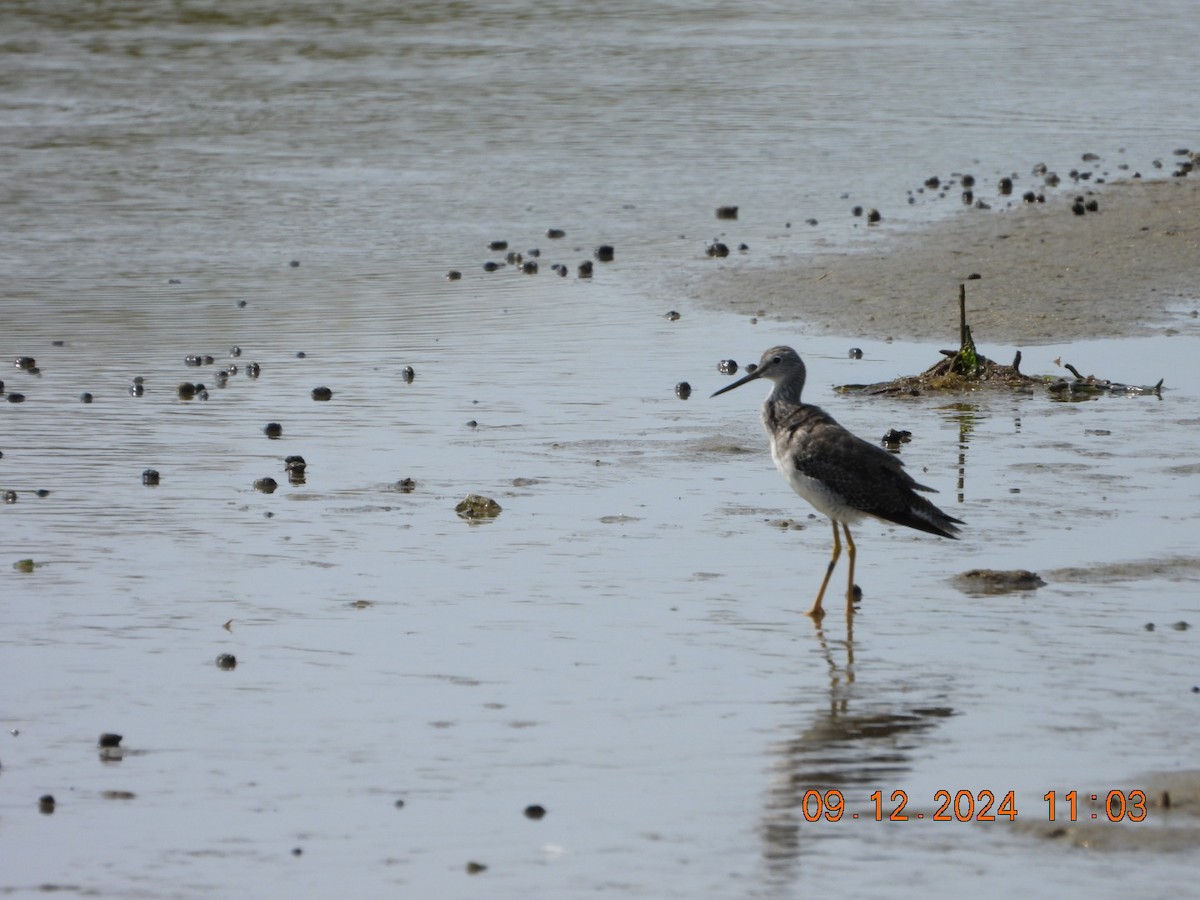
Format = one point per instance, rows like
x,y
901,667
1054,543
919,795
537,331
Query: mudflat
x,y
1045,274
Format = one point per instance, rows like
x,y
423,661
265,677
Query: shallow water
x,y
622,644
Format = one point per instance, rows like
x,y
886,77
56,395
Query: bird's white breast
x,y
823,498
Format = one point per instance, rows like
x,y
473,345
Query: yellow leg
x,y
850,551
816,612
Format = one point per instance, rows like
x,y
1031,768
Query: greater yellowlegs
x,y
841,475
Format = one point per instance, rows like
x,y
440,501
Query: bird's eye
x,y
776,359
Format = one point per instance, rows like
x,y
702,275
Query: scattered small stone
x,y
16,397
406,485
974,276
727,367
226,661
150,477
295,263
10,496
471,423
25,363
683,390
672,316
42,492
968,181
408,374
1149,626
474,868
266,485
893,438
605,253
24,566
534,252
968,197
513,258
529,267
491,266
295,464
856,353
743,248
727,212
476,506
808,222
118,795
300,354
297,851
241,304
322,393
717,249
856,211
1092,206
1180,626
109,739
193,359
1078,208
273,430
46,804
555,233
874,217
453,275
186,391
1006,186
559,269
137,389
585,269
498,245
253,370
535,811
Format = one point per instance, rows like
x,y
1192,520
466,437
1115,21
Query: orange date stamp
x,y
977,806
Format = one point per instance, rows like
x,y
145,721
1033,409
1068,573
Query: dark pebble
x,y
253,370
498,245
295,464
266,485
235,352
856,211
894,438
727,367
226,661
241,304
46,804
273,429
529,267
1092,206
1029,197
932,182
968,197
25,363
683,390
513,258
322,393
673,316
474,868
974,276
811,222
453,275
16,397
42,492
137,390
856,353
58,343
555,233
743,248
491,266
717,249
535,811
297,851
727,212
874,217
406,485
295,264
193,359
471,423
585,269
1078,208
605,253
150,477
534,252
186,390
559,269
399,804
751,367
968,181
10,496
109,740
300,354
1006,186
408,374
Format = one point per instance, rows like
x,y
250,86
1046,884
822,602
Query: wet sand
x,y
1046,274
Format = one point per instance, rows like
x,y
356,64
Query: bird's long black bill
x,y
729,387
